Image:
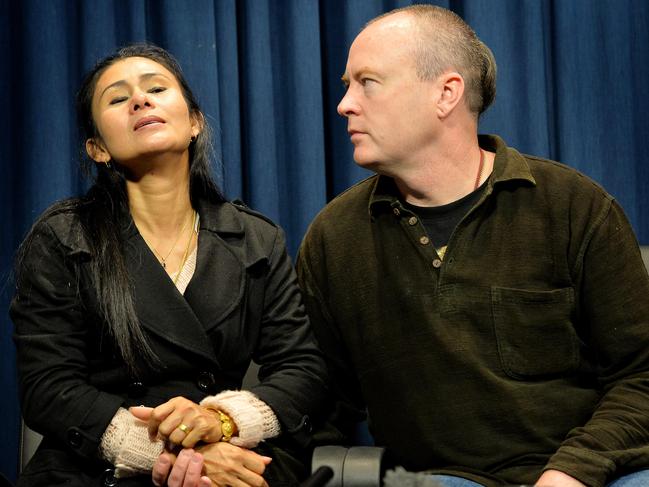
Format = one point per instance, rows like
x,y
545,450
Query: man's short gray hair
x,y
445,42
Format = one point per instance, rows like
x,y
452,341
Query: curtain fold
x,y
572,86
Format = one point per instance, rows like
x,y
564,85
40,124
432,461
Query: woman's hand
x,y
229,465
224,465
181,421
186,471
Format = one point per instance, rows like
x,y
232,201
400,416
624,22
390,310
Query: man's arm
x,y
347,404
613,321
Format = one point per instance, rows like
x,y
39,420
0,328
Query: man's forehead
x,y
385,35
397,24
380,44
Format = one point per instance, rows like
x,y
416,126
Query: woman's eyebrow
x,y
122,82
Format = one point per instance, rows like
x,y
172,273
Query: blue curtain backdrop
x,y
572,86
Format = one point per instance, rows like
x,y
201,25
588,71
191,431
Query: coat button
x,y
396,211
424,240
205,381
108,478
412,221
136,389
74,438
437,263
306,424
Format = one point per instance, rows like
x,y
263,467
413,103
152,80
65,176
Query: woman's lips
x,y
143,122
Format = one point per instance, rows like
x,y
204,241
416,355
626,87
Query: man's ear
x,y
197,121
97,151
451,86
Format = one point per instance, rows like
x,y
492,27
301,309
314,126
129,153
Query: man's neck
x,y
446,173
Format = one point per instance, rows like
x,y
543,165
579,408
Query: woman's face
x,y
139,111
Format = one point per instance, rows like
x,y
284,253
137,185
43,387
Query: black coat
x,y
242,303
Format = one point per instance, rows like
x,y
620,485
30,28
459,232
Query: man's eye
x,y
365,81
157,89
116,100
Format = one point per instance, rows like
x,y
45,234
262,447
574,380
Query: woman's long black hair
x,y
102,209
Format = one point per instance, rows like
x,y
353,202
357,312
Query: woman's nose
x,y
140,100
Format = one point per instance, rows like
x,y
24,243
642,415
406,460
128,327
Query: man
x,y
489,310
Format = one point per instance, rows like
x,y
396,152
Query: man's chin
x,y
365,162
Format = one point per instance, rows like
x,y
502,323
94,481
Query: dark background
x,y
572,86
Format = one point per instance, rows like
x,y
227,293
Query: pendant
x,y
164,264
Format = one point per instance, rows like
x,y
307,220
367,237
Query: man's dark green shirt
x,y
525,348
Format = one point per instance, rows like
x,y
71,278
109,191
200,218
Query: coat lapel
x,y
215,292
219,284
162,310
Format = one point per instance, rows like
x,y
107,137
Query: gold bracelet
x,y
227,426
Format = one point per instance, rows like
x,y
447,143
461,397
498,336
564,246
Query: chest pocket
x,y
534,331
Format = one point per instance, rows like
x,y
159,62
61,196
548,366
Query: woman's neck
x,y
159,198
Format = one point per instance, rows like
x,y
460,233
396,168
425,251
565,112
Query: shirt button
x,y
437,263
396,211
205,381
424,240
412,220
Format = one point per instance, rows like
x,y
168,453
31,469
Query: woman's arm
x,y
51,336
292,371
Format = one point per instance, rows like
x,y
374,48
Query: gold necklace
x,y
163,260
186,254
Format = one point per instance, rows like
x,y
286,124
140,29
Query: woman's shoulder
x,y
61,222
253,216
235,217
242,227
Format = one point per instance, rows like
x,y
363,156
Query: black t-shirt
x,y
440,221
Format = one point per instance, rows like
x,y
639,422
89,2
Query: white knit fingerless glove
x,y
255,420
126,445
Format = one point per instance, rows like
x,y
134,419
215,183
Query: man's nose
x,y
348,105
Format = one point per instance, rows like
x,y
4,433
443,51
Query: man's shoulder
x,y
557,176
344,216
546,174
351,201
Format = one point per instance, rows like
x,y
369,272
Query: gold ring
x,y
184,428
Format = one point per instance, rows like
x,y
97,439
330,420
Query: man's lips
x,y
144,121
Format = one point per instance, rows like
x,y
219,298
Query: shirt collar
x,y
509,165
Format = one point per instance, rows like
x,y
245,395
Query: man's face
x,y
390,112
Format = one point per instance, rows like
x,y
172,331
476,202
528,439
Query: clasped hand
x,y
181,422
185,423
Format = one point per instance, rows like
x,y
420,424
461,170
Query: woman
x,y
150,287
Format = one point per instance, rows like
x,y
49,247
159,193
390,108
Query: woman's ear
x,y
197,121
97,151
452,91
